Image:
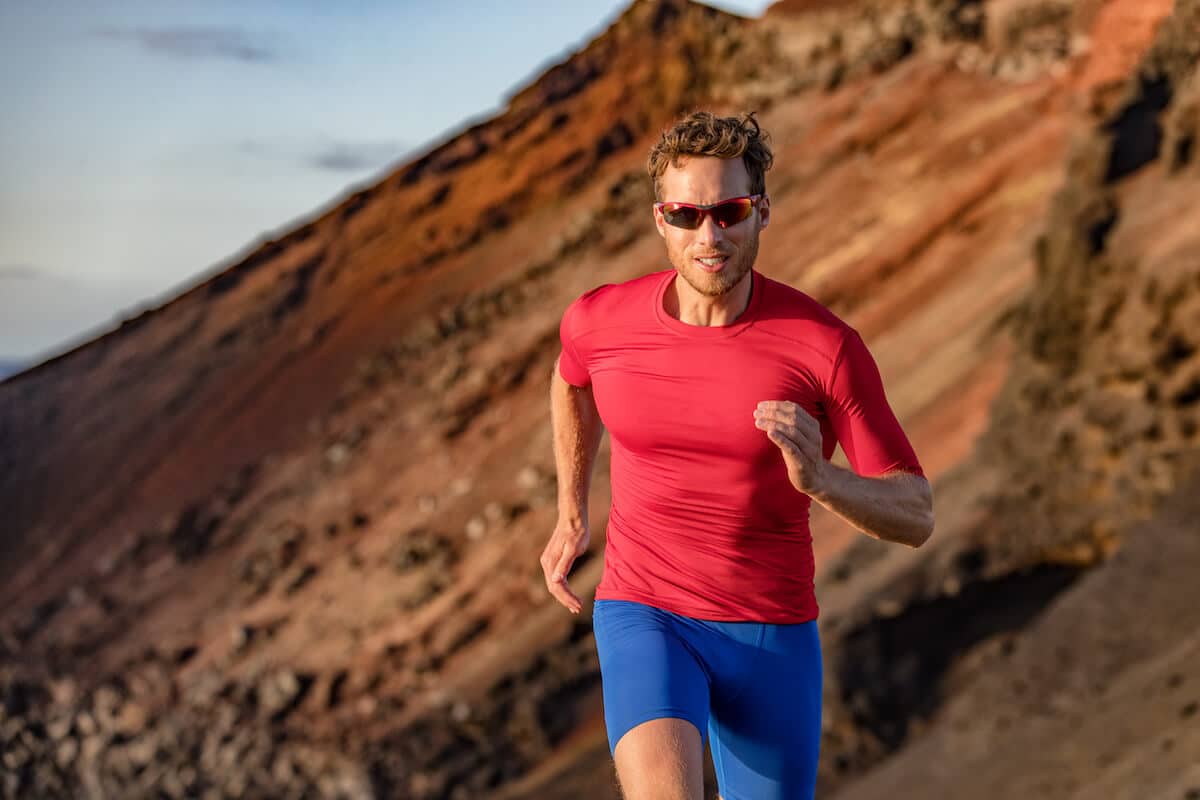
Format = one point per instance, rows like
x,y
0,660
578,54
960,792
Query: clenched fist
x,y
798,437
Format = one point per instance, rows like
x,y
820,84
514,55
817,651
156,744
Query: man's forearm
x,y
577,432
897,507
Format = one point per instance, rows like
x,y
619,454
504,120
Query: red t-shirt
x,y
704,521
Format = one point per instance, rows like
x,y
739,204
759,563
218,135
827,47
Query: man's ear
x,y
764,211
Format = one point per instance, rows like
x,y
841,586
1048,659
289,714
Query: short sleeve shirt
x,y
704,521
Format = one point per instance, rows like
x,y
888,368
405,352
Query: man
x,y
725,394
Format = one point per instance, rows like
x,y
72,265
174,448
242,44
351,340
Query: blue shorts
x,y
752,688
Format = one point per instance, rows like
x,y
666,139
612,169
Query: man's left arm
x,y
896,506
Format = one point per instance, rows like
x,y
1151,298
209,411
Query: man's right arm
x,y
577,432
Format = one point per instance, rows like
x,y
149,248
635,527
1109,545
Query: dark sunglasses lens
x,y
731,212
681,216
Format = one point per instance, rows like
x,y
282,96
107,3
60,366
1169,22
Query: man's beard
x,y
720,283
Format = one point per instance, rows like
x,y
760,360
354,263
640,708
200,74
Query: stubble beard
x,y
720,283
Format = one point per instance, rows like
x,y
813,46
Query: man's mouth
x,y
712,264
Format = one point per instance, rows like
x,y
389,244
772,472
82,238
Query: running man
x,y
724,393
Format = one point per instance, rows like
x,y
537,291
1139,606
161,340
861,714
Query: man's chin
x,y
712,285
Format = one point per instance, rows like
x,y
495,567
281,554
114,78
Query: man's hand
x,y
798,436
568,542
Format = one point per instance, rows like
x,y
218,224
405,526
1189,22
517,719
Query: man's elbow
x,y
923,529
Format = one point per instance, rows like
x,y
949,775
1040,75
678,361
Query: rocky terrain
x,y
278,537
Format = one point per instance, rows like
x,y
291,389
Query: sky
x,y
147,144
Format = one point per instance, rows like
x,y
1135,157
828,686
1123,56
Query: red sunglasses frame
x,y
707,210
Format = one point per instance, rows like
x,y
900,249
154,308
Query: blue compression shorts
x,y
751,688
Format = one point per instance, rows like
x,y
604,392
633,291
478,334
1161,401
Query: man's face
x,y
703,180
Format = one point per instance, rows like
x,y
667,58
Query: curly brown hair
x,y
703,133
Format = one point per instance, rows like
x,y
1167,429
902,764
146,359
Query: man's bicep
x,y
570,375
581,396
863,420
570,365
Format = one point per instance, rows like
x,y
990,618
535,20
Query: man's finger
x,y
565,560
556,580
792,414
793,441
563,594
781,405
802,432
780,438
797,433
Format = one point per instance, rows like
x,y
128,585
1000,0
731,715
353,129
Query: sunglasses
x,y
725,213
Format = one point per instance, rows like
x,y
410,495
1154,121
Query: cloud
x,y
20,272
198,42
355,156
336,156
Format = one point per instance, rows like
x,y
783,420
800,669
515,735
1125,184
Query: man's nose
x,y
709,231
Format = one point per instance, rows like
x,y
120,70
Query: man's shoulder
x,y
792,313
609,298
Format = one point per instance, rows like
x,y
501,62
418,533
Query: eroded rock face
x,y
1096,427
1105,399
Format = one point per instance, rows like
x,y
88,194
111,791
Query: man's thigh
x,y
647,671
766,734
662,759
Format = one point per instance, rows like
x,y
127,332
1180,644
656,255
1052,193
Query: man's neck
x,y
693,308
